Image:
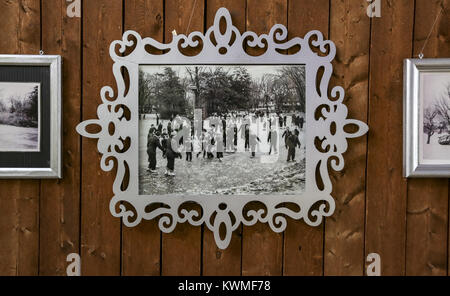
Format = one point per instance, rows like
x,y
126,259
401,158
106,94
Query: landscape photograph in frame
x,y
435,115
20,117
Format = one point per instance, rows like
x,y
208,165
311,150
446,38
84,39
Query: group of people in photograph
x,y
219,134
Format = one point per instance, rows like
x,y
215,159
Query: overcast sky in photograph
x,y
433,85
256,72
17,90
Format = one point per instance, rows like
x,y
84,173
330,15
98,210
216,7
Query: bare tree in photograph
x,y
442,104
195,80
19,117
32,106
283,94
428,122
297,77
163,92
145,86
172,96
265,89
20,110
436,118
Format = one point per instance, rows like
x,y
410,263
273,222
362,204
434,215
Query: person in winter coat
x,y
224,129
152,144
235,136
301,121
273,140
230,138
210,144
247,137
160,127
280,120
253,139
219,145
171,155
189,147
285,136
292,143
203,143
169,128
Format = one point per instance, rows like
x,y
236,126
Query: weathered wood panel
x,y
19,200
386,189
100,231
427,208
406,222
344,231
60,199
215,260
260,239
303,244
182,249
141,245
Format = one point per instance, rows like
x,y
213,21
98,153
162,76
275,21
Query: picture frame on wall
x,y
30,117
426,137
233,126
222,137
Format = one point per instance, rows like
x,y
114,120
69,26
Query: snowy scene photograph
x,y
436,116
230,130
19,117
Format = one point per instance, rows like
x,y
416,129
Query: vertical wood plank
x,y
141,245
344,231
303,244
101,232
387,233
235,7
178,17
181,253
427,208
386,189
19,199
262,249
60,199
216,261
438,46
426,245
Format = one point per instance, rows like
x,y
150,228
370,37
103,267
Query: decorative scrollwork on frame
x,y
326,137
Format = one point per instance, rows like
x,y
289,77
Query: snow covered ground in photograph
x,y
18,139
236,174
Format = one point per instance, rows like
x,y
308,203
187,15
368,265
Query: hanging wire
x,y
431,31
190,18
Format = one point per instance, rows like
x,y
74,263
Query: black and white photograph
x,y
19,117
435,92
228,130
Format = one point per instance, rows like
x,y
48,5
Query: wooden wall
x,y
405,221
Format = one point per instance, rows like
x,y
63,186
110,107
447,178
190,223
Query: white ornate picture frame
x,y
326,139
